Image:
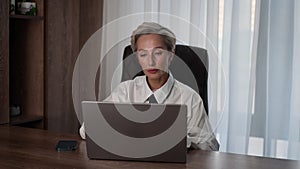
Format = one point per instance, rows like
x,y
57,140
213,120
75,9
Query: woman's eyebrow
x,y
158,47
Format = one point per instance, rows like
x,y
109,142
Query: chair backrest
x,y
189,66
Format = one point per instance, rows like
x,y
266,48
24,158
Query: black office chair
x,y
189,66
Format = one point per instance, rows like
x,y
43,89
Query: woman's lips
x,y
152,71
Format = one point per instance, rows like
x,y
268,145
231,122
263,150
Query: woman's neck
x,y
155,84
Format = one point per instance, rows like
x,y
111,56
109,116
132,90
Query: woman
x,y
154,46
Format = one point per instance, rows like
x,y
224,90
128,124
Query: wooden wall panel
x,y
90,22
90,18
68,25
4,66
62,41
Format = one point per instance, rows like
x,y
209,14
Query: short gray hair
x,y
153,28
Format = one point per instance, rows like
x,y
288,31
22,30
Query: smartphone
x,y
66,145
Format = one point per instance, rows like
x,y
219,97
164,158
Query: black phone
x,y
66,145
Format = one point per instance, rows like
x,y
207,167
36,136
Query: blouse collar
x,y
162,93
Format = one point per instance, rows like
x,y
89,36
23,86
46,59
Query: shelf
x,y
23,119
22,67
26,69
29,17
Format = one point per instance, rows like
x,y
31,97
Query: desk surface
x,y
34,148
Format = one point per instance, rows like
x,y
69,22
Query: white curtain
x,y
276,116
254,60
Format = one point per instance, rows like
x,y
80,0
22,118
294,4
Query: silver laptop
x,y
139,132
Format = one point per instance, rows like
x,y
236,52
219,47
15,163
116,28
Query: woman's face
x,y
153,56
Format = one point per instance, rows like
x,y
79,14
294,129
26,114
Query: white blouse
x,y
199,132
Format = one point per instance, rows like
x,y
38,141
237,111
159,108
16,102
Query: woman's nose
x,y
151,60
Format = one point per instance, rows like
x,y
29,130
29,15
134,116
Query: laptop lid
x,y
139,132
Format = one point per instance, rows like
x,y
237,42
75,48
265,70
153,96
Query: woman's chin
x,y
154,74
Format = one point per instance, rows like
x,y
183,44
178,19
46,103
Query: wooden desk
x,y
34,148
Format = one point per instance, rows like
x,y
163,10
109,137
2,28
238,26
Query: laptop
x,y
136,132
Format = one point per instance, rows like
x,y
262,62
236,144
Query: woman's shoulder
x,y
130,83
185,88
188,93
